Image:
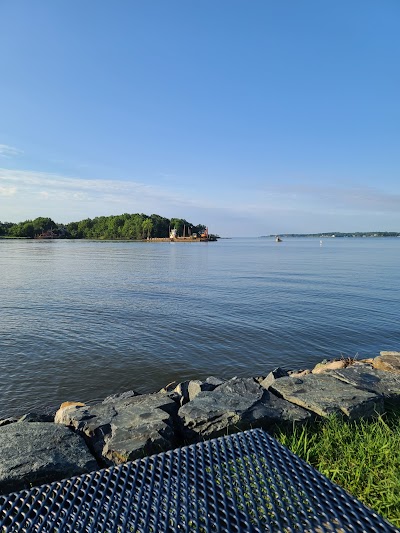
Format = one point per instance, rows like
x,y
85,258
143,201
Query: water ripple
x,y
80,320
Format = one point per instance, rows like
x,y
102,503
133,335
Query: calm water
x,y
80,320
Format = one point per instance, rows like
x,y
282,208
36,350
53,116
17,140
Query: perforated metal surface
x,y
244,482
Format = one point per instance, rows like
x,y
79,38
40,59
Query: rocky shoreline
x,y
41,447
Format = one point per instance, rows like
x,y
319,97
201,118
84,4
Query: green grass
x,y
363,457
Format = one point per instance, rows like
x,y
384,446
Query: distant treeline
x,y
136,226
340,234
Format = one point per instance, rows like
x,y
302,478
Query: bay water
x,y
80,320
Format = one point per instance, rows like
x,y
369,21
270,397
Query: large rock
x,y
272,376
181,390
212,380
33,453
236,405
197,386
388,361
186,391
37,416
364,377
125,429
326,395
120,396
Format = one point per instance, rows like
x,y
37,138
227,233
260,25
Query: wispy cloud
x,y
9,151
7,191
320,198
227,210
59,186
69,198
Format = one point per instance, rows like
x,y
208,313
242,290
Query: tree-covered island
x,y
136,226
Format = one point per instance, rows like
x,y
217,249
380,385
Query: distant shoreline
x,y
338,234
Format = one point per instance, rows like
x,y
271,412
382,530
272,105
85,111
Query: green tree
x,y
5,227
125,226
200,228
24,229
28,229
72,230
85,229
15,230
42,224
147,226
160,226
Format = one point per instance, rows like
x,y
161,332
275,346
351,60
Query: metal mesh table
x,y
243,482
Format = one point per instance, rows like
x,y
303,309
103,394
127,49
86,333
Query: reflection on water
x,y
83,319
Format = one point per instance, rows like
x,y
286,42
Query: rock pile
x,y
78,438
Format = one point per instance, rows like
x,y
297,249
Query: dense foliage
x,y
136,226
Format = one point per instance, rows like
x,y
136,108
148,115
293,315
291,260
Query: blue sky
x,y
253,117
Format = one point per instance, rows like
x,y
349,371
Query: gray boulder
x,y
120,396
196,386
212,380
35,416
366,378
272,376
236,405
325,395
125,429
182,391
40,452
186,391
